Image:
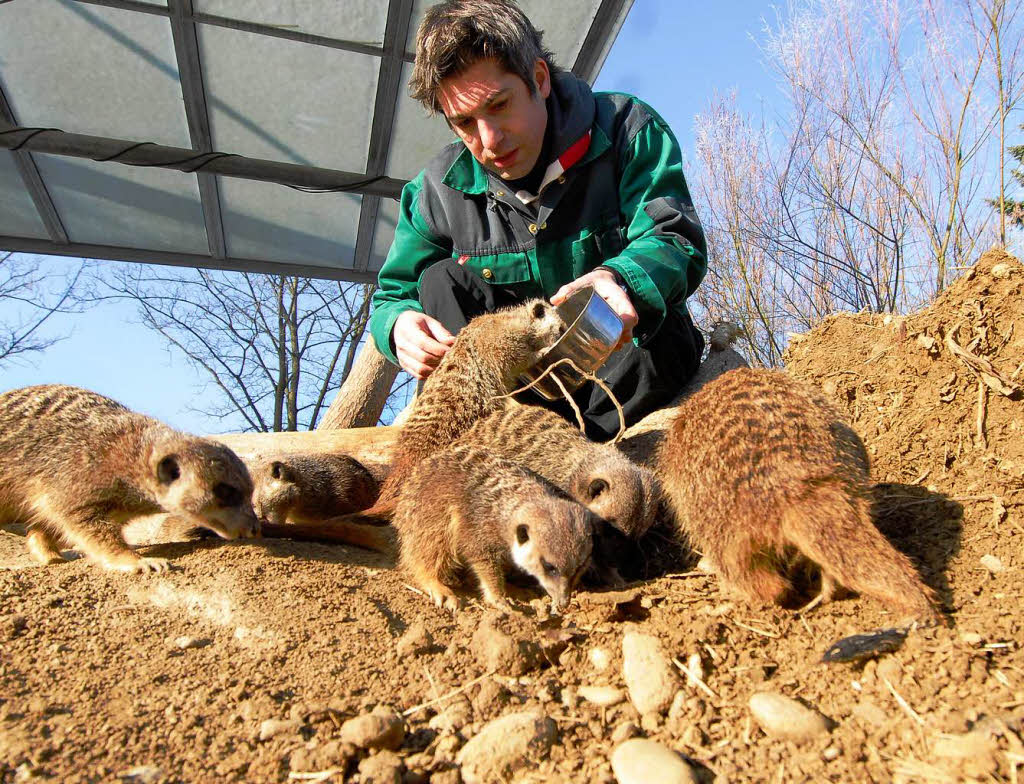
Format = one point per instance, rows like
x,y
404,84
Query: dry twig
x,y
447,696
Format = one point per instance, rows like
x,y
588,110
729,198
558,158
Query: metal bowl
x,y
594,329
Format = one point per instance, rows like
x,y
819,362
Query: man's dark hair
x,y
456,34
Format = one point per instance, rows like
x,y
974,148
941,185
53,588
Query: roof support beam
x,y
388,80
186,50
176,259
33,180
602,33
101,148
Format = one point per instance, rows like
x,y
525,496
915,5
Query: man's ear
x,y
542,77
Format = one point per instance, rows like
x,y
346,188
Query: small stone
x,y
384,767
993,564
624,732
870,713
570,698
16,625
650,722
649,677
678,708
890,669
273,727
506,745
456,715
600,659
602,696
141,774
490,698
784,717
416,641
641,761
191,642
1001,270
498,651
332,754
450,776
383,728
831,753
971,638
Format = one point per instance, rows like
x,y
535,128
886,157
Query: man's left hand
x,y
611,292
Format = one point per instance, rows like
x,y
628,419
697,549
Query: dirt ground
x,y
243,663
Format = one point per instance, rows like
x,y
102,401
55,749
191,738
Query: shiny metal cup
x,y
593,330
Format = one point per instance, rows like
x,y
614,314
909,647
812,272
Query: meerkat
x,y
308,488
483,364
465,508
597,475
763,476
76,466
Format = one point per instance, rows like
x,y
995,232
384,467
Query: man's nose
x,y
490,135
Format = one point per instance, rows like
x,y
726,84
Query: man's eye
x,y
499,106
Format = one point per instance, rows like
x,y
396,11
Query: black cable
x,y
205,159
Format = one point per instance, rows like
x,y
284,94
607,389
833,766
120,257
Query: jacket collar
x,y
571,112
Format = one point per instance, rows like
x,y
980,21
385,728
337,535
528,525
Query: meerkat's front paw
x,y
445,598
135,564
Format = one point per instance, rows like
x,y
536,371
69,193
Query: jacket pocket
x,y
596,247
500,269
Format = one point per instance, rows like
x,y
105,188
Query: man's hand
x,y
607,289
420,342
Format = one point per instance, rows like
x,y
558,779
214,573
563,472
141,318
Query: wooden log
x,y
361,398
369,445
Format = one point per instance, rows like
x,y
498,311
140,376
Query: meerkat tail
x,y
342,530
833,528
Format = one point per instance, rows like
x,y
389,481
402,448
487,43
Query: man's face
x,y
495,115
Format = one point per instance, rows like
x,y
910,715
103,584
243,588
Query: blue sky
x,y
673,55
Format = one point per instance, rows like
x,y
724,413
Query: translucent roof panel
x,y
387,217
91,69
287,101
360,21
113,204
18,216
415,136
269,221
279,91
565,25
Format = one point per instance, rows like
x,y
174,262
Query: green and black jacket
x,y
615,197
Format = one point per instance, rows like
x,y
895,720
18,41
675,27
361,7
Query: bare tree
x,y
31,292
273,348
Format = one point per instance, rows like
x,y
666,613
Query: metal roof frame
x,y
208,164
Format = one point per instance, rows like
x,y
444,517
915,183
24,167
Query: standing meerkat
x,y
76,466
308,488
599,476
465,508
762,476
484,363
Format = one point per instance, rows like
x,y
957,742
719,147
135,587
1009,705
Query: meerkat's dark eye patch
x,y
167,470
522,534
549,568
597,486
539,309
227,495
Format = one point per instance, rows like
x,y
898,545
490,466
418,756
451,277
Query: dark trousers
x,y
642,378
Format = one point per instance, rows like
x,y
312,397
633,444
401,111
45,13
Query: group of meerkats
x,y
757,471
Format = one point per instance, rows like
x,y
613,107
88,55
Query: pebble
x,y
141,774
649,676
624,732
870,713
506,745
993,564
600,659
498,651
971,638
16,624
641,761
273,727
454,716
490,698
1001,270
332,754
602,696
191,642
384,767
416,641
383,728
784,717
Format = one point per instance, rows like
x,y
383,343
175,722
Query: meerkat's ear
x,y
522,534
167,469
596,487
281,471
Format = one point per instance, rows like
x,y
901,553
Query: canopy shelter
x,y
256,135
